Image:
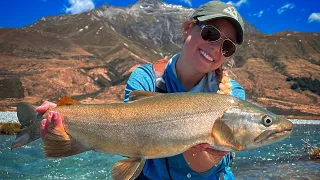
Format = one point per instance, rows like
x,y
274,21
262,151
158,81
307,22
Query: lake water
x,y
282,160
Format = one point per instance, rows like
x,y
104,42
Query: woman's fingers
x,y
214,152
43,129
52,124
45,106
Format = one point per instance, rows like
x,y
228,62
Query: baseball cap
x,y
216,9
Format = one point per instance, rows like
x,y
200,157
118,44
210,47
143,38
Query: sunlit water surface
x,y
282,160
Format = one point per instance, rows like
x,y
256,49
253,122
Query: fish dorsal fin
x,y
128,169
67,101
224,136
138,94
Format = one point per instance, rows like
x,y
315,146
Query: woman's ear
x,y
186,30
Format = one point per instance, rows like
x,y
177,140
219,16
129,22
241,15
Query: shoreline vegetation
x,y
10,128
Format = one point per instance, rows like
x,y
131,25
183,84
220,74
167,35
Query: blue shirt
x,y
142,78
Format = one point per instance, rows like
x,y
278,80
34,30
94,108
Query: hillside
x,y
90,56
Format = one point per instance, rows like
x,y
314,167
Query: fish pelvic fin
x,y
57,143
67,101
224,136
128,169
30,121
138,94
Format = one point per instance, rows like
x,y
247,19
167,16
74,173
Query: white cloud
x,y
78,6
314,17
259,14
285,7
237,4
187,2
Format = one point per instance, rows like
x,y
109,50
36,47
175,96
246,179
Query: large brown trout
x,y
154,125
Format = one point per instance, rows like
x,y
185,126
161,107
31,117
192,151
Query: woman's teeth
x,y
206,55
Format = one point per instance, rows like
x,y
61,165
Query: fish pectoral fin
x,y
224,136
128,169
138,94
57,143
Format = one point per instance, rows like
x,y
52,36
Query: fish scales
x,y
150,127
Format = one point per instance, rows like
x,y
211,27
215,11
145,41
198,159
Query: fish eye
x,y
267,120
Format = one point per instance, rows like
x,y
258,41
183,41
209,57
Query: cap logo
x,y
232,11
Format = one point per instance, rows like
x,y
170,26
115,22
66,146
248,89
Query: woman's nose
x,y
216,46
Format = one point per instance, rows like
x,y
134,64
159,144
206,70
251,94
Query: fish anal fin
x,y
224,136
138,94
67,101
57,143
128,169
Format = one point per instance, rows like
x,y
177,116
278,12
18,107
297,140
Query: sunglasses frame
x,y
202,26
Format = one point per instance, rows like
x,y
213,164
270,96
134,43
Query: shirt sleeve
x,y
141,78
237,90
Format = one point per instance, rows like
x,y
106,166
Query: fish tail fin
x,y
30,125
57,143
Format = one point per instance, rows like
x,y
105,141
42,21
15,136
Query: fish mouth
x,y
273,135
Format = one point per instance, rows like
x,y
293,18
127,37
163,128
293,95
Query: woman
x,y
210,36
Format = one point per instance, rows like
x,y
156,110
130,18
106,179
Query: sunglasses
x,y
212,34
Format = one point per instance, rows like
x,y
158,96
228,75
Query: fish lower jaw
x,y
275,136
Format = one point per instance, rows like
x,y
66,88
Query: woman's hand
x,y
46,105
225,85
199,148
201,157
53,119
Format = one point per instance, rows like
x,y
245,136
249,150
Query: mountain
x,y
90,56
150,23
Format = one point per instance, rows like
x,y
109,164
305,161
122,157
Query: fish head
x,y
248,126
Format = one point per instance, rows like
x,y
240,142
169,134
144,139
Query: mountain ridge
x,y
90,56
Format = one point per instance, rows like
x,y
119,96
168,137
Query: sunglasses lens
x,y
228,48
210,34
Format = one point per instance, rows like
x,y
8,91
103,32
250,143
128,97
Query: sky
x,y
268,16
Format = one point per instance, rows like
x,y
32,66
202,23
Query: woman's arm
x,y
141,78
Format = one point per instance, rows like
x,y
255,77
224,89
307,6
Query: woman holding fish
x,y
210,36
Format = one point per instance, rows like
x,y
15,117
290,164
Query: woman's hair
x,y
187,23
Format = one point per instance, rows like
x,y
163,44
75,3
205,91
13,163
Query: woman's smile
x,y
206,55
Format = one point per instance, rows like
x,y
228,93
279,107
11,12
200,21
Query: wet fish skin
x,y
161,125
